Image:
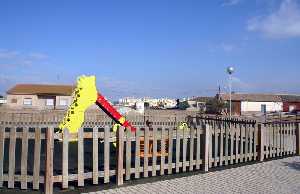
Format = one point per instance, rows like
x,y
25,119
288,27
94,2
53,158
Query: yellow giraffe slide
x,y
84,96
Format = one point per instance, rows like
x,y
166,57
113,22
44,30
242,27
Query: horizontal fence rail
x,y
33,154
55,116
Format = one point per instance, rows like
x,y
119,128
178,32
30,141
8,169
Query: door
x,y
263,108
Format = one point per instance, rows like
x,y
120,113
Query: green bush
x,y
183,105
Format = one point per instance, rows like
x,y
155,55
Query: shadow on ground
x,y
73,189
293,165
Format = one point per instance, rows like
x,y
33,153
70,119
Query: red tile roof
x,y
252,97
39,89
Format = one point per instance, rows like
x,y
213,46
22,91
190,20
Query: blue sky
x,y
159,48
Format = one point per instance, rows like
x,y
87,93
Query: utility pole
x,y
230,71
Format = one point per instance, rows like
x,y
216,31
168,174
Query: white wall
x,y
256,106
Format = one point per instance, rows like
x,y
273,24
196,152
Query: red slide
x,y
113,113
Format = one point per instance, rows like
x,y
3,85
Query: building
x,y
2,100
152,102
290,103
37,96
253,103
167,103
128,101
198,103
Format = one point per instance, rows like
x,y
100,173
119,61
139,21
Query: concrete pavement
x,y
276,176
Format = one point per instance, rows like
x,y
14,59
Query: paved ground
x,y
277,176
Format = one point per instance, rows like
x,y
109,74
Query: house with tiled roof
x,y
253,103
290,103
38,96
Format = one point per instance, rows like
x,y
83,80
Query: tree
x,y
215,106
183,105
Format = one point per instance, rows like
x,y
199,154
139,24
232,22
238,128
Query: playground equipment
x,y
84,96
181,126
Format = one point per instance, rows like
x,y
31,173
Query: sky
x,y
157,48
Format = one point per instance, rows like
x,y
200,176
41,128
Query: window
x,y
14,100
49,102
27,101
63,102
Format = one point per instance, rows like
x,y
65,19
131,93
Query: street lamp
x,y
230,71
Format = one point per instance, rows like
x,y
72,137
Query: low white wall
x,y
256,106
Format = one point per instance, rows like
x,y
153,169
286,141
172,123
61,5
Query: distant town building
x,y
198,103
37,96
128,101
140,107
2,100
167,103
152,102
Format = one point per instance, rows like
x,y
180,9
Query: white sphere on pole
x,y
230,70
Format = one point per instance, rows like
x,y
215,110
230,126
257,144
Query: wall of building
x,y
42,102
60,102
2,101
38,102
256,106
236,108
17,101
288,105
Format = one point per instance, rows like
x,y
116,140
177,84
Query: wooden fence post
x,y
206,147
106,153
12,160
95,155
2,141
298,139
65,157
120,154
49,161
80,156
261,141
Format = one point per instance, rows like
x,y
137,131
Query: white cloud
x,y
222,47
13,59
227,47
38,56
20,67
6,65
6,54
231,2
239,83
281,23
